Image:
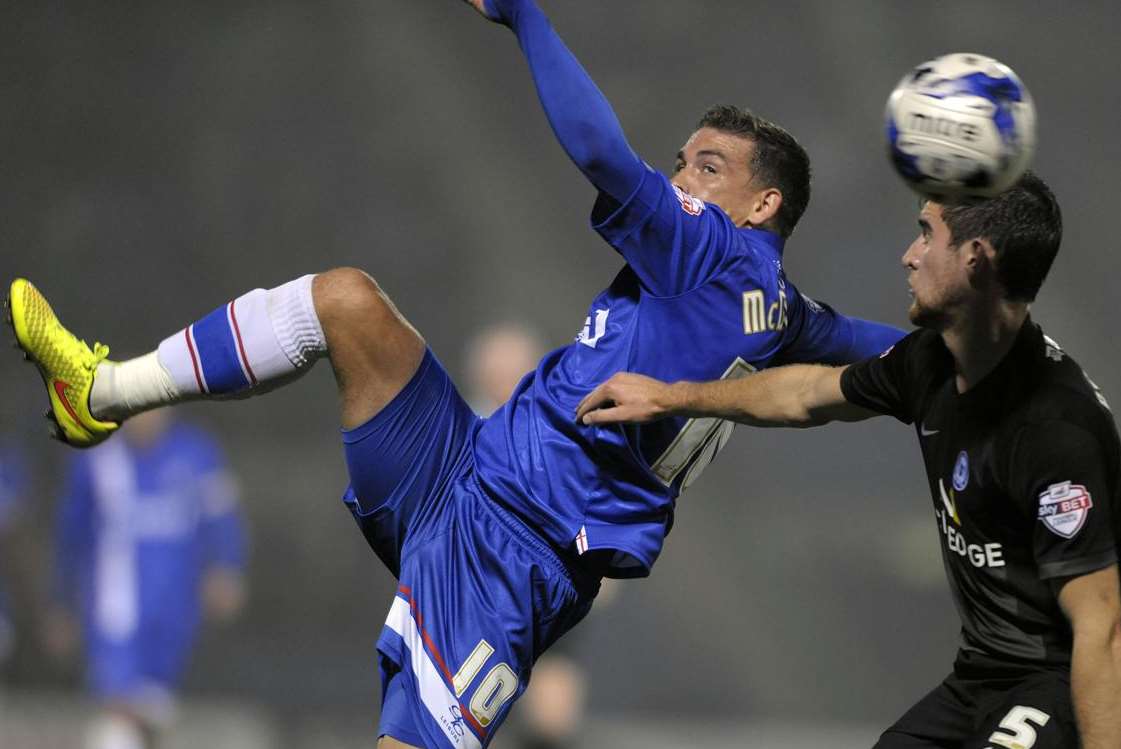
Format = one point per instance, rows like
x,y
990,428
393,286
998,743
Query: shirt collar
x,y
1014,370
769,239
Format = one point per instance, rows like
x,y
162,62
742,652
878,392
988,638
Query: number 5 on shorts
x,y
1021,735
496,690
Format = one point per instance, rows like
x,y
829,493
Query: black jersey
x,y
1023,473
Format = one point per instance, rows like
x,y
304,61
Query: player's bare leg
x,y
373,349
253,344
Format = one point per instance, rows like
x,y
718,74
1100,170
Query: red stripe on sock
x,y
241,346
194,358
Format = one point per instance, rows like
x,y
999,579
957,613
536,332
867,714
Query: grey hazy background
x,y
160,158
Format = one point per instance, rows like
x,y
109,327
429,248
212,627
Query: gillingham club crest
x,y
1064,507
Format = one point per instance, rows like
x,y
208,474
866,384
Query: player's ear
x,y
765,206
980,260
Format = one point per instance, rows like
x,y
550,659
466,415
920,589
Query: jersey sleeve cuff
x,y
852,394
614,221
1079,566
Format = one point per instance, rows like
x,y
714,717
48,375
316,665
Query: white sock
x,y
121,389
257,341
113,732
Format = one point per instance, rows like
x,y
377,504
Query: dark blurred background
x,y
160,158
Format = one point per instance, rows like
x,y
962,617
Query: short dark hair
x,y
1024,225
777,159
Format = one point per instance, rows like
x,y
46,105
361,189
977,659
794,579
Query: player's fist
x,y
499,11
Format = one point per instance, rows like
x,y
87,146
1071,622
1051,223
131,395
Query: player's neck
x,y
981,338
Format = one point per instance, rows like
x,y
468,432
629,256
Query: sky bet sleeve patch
x,y
1063,507
691,205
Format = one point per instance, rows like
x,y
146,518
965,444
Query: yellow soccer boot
x,y
66,364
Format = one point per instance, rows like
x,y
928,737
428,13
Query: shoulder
x,y
1060,390
752,259
1061,420
924,342
920,351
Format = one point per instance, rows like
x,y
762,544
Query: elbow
x,y
1102,637
594,152
591,162
789,415
1114,641
810,419
811,413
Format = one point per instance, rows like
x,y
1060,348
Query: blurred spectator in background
x,y
498,356
14,489
551,712
149,542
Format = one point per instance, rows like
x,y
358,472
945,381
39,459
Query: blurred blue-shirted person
x,y
149,541
14,482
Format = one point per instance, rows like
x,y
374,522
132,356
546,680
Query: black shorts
x,y
983,708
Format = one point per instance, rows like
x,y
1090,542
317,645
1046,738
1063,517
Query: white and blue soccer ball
x,y
960,126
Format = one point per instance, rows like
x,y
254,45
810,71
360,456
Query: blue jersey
x,y
699,299
137,527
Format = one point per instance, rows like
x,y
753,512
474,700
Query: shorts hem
x,y
362,431
402,734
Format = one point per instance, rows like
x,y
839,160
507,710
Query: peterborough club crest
x,y
961,471
1064,507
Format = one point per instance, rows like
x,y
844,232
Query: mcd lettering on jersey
x,y
1064,507
758,317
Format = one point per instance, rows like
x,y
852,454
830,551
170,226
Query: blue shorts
x,y
141,671
480,595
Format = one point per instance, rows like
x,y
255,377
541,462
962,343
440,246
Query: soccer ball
x,y
960,126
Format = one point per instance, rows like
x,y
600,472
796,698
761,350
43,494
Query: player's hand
x,y
499,11
60,633
627,397
223,594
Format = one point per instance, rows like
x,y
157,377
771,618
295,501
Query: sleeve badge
x,y
1063,508
692,206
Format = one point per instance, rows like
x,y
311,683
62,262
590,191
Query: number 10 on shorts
x,y
496,689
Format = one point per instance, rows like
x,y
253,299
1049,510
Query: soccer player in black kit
x,y
1022,459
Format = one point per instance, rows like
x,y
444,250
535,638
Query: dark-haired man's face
x,y
937,272
715,166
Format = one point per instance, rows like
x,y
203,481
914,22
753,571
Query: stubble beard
x,y
926,317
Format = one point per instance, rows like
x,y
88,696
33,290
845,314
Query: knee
x,y
349,294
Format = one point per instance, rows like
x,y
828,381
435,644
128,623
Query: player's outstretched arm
x,y
801,395
1093,604
577,110
499,12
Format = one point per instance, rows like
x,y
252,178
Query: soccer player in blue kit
x,y
150,543
499,529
